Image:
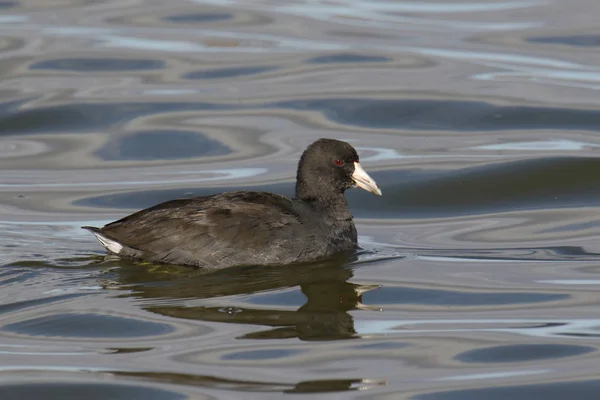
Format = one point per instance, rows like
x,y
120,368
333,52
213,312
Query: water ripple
x,y
480,264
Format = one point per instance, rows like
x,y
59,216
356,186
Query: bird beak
x,y
364,181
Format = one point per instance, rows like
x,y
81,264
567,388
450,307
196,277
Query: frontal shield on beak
x,y
364,181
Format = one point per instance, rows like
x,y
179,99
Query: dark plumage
x,y
251,228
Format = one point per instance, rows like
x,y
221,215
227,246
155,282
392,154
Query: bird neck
x,y
326,200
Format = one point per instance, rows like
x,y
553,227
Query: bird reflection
x,y
168,290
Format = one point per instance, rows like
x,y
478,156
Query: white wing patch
x,y
111,245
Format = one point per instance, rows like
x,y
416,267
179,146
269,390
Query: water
x,y
479,274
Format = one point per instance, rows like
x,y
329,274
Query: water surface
x,y
479,274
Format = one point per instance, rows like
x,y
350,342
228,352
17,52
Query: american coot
x,y
251,228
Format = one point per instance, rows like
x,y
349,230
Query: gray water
x,y
479,120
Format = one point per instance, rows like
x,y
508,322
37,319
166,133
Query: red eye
x,y
339,163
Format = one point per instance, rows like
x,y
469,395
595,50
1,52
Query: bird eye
x,y
339,163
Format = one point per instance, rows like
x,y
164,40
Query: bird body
x,y
248,227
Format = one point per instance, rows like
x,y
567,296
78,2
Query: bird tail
x,y
110,244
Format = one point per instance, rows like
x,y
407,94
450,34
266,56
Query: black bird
x,y
251,228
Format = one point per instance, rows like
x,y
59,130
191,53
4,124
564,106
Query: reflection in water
x,y
324,316
314,386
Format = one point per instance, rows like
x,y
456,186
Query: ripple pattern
x,y
478,273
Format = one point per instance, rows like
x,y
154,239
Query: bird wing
x,y
252,227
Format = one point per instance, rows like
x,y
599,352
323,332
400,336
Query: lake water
x,y
480,273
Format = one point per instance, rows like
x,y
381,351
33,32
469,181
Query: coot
x,y
251,228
